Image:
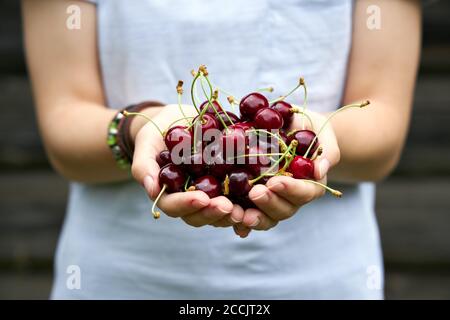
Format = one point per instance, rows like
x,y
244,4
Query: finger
x,y
271,204
241,230
256,220
235,217
297,192
180,204
218,208
330,153
145,169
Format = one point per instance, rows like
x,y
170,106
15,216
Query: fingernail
x,y
255,223
234,220
224,210
149,185
276,187
261,196
199,204
324,165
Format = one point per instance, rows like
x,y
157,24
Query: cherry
x,y
220,170
256,164
195,165
164,158
239,182
251,104
176,135
210,110
208,184
245,125
301,168
234,140
286,111
172,176
283,135
268,119
304,139
231,116
207,122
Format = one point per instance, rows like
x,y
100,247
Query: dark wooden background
x,y
413,205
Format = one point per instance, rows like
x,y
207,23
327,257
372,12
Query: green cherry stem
x,y
267,89
354,105
197,75
128,114
157,214
292,145
300,83
179,93
212,105
271,134
334,192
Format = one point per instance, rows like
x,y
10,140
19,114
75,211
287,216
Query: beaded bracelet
x,y
114,143
119,138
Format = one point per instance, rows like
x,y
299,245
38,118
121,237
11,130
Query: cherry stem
x,y
127,114
292,145
289,159
304,114
212,105
259,155
157,214
197,75
334,192
267,89
186,183
354,105
305,102
185,118
300,83
180,92
271,134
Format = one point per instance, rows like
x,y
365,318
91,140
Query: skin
x,y
67,86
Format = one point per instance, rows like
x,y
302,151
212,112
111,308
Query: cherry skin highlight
x,y
268,119
164,158
209,185
172,176
251,104
207,122
301,168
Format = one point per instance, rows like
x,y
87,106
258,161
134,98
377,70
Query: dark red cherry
x,y
285,109
256,164
239,182
301,168
176,135
207,122
251,104
234,118
164,158
195,165
234,143
208,184
268,119
210,110
220,170
304,139
245,125
283,135
173,177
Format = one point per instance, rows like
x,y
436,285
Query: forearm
x,y
75,140
370,141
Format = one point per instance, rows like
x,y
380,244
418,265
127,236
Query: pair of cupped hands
x,y
279,199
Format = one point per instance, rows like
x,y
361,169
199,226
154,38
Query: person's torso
x,y
145,47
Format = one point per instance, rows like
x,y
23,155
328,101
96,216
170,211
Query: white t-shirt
x,y
329,249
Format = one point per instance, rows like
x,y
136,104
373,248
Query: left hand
x,y
282,196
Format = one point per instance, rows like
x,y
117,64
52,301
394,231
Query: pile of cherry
x,y
244,150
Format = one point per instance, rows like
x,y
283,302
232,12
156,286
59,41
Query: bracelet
x,y
119,136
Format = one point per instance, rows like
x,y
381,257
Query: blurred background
x,y
413,205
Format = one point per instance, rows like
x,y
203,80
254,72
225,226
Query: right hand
x,y
194,207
